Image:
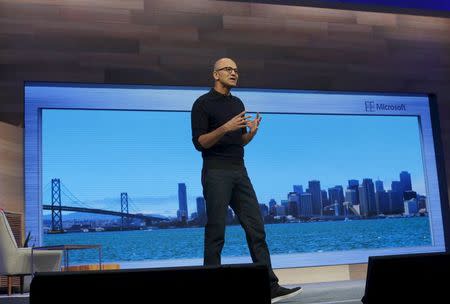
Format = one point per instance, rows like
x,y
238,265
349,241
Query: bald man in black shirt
x,y
219,131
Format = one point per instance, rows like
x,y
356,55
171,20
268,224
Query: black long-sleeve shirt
x,y
209,112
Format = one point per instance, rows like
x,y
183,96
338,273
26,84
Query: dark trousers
x,y
232,187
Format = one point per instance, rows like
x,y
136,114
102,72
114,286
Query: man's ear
x,y
215,75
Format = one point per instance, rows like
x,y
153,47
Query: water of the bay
x,y
187,243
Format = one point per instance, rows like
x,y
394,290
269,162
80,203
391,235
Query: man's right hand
x,y
237,122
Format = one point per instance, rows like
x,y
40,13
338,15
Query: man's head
x,y
225,73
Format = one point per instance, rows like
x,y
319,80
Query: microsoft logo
x,y
371,106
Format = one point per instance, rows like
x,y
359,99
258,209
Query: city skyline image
x,y
99,154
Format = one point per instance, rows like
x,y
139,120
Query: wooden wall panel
x,y
118,4
11,168
176,42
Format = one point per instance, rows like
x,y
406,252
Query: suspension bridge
x,y
59,190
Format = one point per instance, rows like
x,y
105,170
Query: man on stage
x,y
219,131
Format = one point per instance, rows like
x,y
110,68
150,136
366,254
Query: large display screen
x,y
338,176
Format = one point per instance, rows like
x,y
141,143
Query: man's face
x,y
226,73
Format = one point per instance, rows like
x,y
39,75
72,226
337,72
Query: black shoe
x,y
282,293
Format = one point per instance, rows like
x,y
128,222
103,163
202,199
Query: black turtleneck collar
x,y
216,94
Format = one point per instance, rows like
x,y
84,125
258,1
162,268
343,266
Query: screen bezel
x,y
310,260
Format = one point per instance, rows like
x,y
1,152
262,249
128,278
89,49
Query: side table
x,y
66,249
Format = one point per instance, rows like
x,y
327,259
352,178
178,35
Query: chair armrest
x,y
44,260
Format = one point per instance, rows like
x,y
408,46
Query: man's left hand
x,y
254,124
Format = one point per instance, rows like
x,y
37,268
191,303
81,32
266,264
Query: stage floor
x,y
342,292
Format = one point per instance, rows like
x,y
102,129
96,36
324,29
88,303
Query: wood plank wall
x,y
11,184
11,168
176,42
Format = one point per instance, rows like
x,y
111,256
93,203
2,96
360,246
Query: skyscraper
x,y
333,204
353,184
294,199
381,198
367,198
411,206
422,200
396,198
363,201
280,210
379,186
285,203
324,197
314,189
382,202
396,205
340,190
272,203
298,189
293,208
182,203
264,210
405,181
201,210
396,186
341,198
408,194
336,198
350,196
272,207
306,208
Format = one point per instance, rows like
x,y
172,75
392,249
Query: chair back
x,y
8,245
